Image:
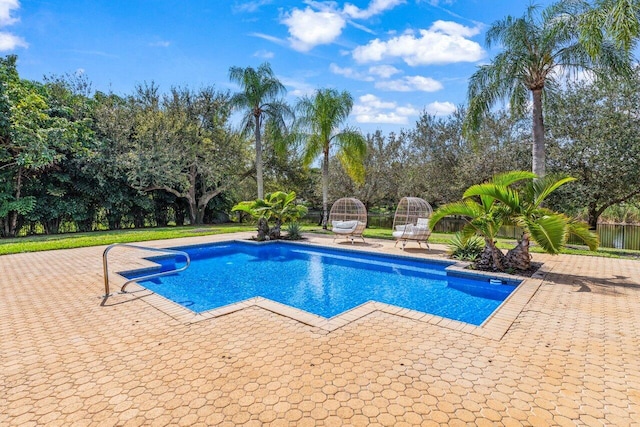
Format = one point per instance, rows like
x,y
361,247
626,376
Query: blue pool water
x,y
322,281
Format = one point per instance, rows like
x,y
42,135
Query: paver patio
x,y
570,357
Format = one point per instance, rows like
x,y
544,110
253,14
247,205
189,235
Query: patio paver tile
x,y
564,351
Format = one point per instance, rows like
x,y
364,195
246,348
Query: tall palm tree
x,y
538,50
320,117
260,98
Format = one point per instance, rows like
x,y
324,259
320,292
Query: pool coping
x,y
494,327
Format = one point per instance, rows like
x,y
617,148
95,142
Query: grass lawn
x,y
97,238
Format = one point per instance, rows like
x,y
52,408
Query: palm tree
x,y
538,50
618,20
484,216
279,206
260,98
549,229
487,206
320,117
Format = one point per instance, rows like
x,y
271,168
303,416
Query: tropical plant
x,y
618,20
538,50
294,231
260,98
278,206
320,117
484,216
523,207
465,248
549,229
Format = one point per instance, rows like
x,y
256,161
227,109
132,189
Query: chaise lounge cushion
x,y
344,225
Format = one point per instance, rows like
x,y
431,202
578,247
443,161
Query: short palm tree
x,y
320,118
484,216
538,49
277,206
523,207
260,97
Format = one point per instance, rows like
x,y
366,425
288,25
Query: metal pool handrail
x,y
105,265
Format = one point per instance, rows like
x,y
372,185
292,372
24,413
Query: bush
x,y
465,249
294,231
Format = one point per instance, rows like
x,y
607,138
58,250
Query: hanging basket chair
x,y
348,218
411,221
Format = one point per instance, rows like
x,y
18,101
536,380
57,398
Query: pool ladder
x,y
105,265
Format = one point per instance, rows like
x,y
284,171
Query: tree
x,y
487,206
259,97
183,144
32,140
439,164
277,206
383,171
618,20
538,49
595,133
320,117
523,207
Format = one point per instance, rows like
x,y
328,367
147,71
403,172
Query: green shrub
x,y
294,231
465,249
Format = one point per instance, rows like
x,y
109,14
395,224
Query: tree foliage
x,y
320,118
595,133
260,98
539,49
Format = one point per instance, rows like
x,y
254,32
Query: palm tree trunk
x,y
491,258
538,135
519,258
259,159
325,189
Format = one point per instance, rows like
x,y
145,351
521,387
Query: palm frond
x,y
581,231
549,231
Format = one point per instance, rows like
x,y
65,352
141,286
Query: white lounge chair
x,y
411,221
348,218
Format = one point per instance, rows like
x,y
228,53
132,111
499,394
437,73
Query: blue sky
x,y
396,57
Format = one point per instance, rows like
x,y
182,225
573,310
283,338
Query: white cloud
x,y
349,73
444,43
297,89
262,53
384,71
375,7
309,28
267,37
250,6
6,6
161,43
9,41
410,84
438,2
440,108
322,22
371,109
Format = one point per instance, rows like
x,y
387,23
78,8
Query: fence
x,y
619,236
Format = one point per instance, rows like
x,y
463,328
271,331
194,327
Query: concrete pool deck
x,y
566,352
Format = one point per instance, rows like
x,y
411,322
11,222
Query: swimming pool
x,y
322,281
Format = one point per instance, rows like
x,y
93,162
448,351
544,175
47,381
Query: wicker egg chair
x,y
411,221
348,218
